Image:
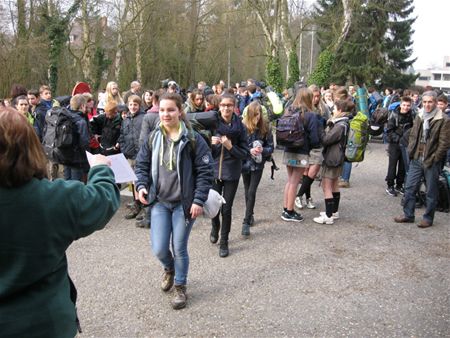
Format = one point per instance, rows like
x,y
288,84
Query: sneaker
x,y
179,300
309,203
335,215
291,217
299,202
167,281
323,219
391,191
400,190
344,184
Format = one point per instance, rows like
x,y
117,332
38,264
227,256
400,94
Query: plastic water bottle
x,y
257,158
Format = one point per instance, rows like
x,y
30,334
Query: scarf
x,y
231,130
427,117
171,163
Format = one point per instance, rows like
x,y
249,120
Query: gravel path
x,y
364,276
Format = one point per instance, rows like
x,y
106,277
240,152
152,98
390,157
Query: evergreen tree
x,y
378,46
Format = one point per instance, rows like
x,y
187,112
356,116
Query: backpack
x,y
377,121
375,101
290,131
59,136
443,192
358,137
275,102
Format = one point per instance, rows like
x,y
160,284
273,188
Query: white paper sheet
x,y
123,172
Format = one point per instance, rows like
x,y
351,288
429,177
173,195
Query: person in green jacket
x,y
39,219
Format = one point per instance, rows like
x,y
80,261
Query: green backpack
x,y
358,136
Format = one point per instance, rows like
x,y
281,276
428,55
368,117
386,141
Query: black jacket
x,y
232,159
108,130
398,124
129,134
249,164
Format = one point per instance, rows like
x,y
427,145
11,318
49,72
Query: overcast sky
x,y
432,25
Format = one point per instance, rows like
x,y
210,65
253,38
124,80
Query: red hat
x,y
81,88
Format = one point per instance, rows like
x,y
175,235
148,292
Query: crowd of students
x,y
176,166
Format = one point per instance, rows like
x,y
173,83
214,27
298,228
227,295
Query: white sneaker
x,y
323,219
299,202
309,203
335,215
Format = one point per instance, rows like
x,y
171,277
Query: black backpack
x,y
290,131
58,140
377,121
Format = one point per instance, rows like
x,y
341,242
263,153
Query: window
x,y
447,64
437,77
446,77
424,78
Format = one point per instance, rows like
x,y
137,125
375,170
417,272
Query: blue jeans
x,y
405,157
71,173
413,181
168,222
346,171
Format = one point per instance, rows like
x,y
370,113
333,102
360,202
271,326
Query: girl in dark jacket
x,y
260,143
297,159
334,141
229,148
174,175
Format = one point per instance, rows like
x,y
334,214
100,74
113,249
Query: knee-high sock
x,y
336,198
306,186
308,191
329,206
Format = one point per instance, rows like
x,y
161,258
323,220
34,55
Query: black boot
x,y
223,249
245,230
215,226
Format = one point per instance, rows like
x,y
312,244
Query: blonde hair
x,y
252,123
109,96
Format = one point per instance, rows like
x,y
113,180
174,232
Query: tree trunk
x,y
21,21
195,15
138,25
86,59
346,23
119,44
286,36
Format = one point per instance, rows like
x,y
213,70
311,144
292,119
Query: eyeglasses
x,y
226,105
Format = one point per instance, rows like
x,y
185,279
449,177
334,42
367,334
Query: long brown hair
x,y
250,122
303,100
21,155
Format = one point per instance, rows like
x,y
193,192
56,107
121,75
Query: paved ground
x,y
364,276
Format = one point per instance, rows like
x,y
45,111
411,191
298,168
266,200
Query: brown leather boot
x,y
133,212
167,281
179,300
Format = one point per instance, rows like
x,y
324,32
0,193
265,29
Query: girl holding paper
x,y
174,174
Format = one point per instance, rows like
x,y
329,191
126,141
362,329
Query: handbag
x,y
213,204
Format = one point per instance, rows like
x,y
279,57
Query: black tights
x,y
251,181
228,190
